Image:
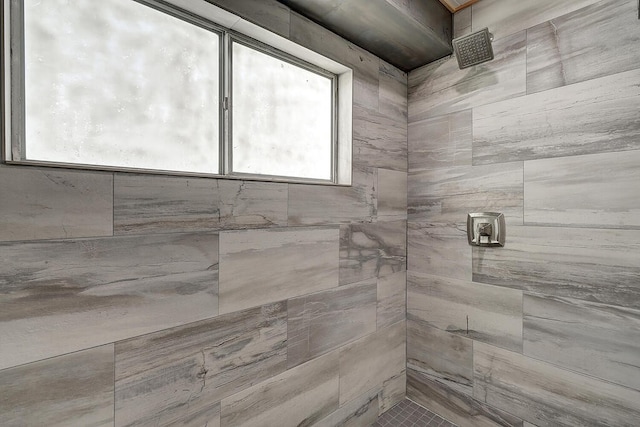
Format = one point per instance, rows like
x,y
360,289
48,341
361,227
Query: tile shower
x,y
132,300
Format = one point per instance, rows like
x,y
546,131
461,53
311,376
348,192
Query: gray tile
x,y
393,390
442,88
48,204
595,339
260,266
300,396
179,375
318,204
323,321
360,412
392,195
462,22
439,355
455,406
372,250
592,42
490,314
372,360
590,264
560,122
269,14
447,195
307,33
518,16
74,389
392,92
392,299
442,141
74,294
152,204
439,249
366,78
378,140
599,190
547,395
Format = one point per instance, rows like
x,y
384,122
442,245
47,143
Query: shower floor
x,y
410,414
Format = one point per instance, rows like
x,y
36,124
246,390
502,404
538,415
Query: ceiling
x,y
405,33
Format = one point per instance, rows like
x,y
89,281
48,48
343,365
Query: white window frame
x,y
197,12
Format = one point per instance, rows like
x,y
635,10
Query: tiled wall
x,y
545,331
150,300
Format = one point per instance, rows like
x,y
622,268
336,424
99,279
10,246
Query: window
x,y
143,86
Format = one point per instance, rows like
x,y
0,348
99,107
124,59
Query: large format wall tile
x,y
439,249
454,405
592,42
504,17
298,397
596,339
182,373
441,87
152,204
378,140
74,389
372,250
360,412
590,264
323,321
485,313
442,141
392,299
393,92
392,195
599,190
260,266
594,116
49,204
62,296
442,356
447,195
307,33
546,395
319,204
372,360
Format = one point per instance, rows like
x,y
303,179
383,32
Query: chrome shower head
x,y
474,48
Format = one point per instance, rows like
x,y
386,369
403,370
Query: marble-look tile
x,y
592,42
392,299
439,249
589,264
372,250
392,92
49,204
547,395
442,88
151,204
439,355
360,412
366,79
394,391
372,360
504,17
323,321
594,116
378,140
392,195
484,313
442,141
74,389
447,195
269,14
307,33
298,397
62,296
319,204
595,339
454,405
260,266
598,190
462,22
180,374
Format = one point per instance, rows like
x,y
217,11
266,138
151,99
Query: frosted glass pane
x,y
117,83
281,117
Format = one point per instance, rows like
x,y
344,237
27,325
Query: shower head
x,y
474,48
